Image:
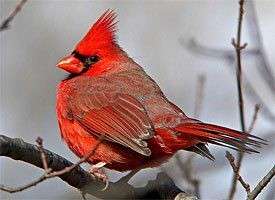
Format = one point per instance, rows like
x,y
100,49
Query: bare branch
x,y
256,111
220,162
39,142
80,161
199,95
254,30
21,188
13,13
187,165
262,184
17,149
189,174
231,160
228,55
49,173
224,54
271,193
238,49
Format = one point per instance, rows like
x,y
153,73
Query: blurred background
x,y
175,42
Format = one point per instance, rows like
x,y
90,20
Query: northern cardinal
x,y
108,93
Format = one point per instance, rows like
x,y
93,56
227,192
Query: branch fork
x,y
237,46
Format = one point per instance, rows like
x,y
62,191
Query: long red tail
x,y
208,133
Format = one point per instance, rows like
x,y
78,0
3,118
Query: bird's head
x,y
96,52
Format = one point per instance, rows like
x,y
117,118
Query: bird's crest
x,y
102,33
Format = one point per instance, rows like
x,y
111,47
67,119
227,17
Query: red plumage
x,y
101,35
108,93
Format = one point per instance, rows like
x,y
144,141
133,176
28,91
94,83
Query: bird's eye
x,y
93,59
87,61
90,60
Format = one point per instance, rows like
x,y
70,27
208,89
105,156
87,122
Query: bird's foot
x,y
95,171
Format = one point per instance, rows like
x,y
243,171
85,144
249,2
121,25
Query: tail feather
x,y
233,133
220,136
202,150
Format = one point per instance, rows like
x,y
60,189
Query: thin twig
x,y
193,45
199,95
80,161
254,30
256,111
231,160
187,165
48,171
261,185
228,55
39,142
238,48
13,13
189,175
24,187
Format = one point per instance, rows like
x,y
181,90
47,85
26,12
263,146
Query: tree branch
x,y
13,13
163,187
17,149
238,48
264,67
199,95
252,124
187,165
261,185
231,160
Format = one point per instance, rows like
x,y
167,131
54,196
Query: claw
x,y
106,180
94,170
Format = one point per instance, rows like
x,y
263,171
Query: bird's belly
x,y
116,156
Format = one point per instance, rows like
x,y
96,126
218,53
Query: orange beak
x,y
70,64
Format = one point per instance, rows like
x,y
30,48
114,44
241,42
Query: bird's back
x,y
134,82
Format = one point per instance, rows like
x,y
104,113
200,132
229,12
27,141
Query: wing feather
x,y
120,117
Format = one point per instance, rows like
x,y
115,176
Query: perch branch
x,y
13,13
17,149
49,173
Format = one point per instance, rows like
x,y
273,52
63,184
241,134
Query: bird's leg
x,y
94,170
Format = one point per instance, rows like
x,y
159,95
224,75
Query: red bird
x,y
109,94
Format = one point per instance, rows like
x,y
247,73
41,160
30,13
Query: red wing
x,y
120,117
